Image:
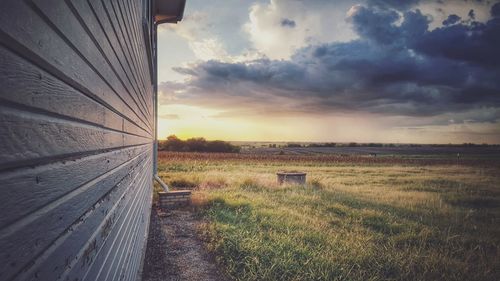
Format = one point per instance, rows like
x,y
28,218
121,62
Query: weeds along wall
x,y
76,138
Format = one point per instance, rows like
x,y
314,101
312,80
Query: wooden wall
x,y
76,138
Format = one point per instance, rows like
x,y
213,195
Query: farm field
x,y
424,151
358,217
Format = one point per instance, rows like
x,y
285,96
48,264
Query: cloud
x,y
196,30
208,49
193,26
397,67
476,43
452,19
169,91
288,23
169,116
378,25
495,10
395,4
271,30
471,14
467,10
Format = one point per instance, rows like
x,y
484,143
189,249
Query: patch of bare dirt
x,y
174,251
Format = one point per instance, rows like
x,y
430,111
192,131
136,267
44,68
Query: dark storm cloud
x,y
392,69
495,10
376,24
475,43
452,19
395,4
288,23
472,14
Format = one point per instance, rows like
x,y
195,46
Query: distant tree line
x,y
173,143
325,144
333,144
371,144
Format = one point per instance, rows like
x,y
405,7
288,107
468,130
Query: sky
x,y
397,71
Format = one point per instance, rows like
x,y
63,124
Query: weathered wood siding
x,y
76,138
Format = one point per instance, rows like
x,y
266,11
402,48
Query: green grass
x,y
350,222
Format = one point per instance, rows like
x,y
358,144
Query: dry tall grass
x,y
356,219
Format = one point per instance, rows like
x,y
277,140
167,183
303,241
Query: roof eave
x,y
169,11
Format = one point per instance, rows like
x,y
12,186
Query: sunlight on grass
x,y
350,222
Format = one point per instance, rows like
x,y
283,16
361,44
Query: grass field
x,y
358,218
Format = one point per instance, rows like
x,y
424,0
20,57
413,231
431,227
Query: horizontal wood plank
x,y
29,136
63,20
91,219
26,84
40,42
45,184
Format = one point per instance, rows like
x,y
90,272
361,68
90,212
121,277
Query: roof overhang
x,y
169,11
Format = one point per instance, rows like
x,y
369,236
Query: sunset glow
x,y
321,71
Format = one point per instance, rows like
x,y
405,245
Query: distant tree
x,y
221,146
326,144
196,144
314,145
173,143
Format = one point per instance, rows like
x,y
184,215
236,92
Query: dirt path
x,y
174,251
